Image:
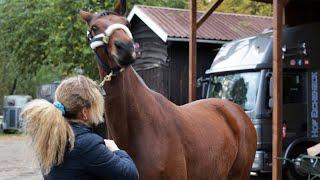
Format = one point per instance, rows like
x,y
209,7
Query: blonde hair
x,y
50,130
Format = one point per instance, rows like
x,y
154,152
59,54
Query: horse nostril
x,y
119,44
123,46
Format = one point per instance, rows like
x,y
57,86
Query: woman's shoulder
x,y
85,139
88,139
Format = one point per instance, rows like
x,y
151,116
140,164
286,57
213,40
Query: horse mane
x,y
140,79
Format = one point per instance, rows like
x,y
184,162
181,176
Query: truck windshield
x,y
240,88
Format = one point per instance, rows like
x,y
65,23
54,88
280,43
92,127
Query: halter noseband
x,y
103,40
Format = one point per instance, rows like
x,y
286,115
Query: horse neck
x,y
126,95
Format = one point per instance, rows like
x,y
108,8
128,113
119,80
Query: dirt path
x,y
16,159
18,163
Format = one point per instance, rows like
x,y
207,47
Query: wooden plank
x,y
277,86
192,93
205,16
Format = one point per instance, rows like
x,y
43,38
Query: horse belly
x,y
165,161
212,162
210,148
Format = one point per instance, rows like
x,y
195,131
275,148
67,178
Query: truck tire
x,y
290,172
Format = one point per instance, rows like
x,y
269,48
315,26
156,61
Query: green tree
x,y
42,41
238,6
45,40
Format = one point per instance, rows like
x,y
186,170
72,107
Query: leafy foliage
x,y
45,40
238,6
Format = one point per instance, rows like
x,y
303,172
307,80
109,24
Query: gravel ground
x,y
18,163
16,159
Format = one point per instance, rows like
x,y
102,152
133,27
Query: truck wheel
x,y
291,172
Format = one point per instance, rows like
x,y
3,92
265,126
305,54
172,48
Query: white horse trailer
x,y
12,108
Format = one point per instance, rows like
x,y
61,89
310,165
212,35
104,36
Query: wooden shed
x,y
162,34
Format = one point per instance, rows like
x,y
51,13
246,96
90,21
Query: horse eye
x,y
128,24
94,29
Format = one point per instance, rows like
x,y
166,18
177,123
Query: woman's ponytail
x,y
50,132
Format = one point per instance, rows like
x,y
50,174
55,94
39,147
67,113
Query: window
x,y
240,88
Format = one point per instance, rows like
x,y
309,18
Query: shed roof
x,y
173,24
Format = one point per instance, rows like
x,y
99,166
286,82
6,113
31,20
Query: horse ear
x,y
86,16
120,7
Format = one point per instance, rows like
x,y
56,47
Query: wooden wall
x,y
164,66
179,69
152,65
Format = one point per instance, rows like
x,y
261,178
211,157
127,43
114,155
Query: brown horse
x,y
206,139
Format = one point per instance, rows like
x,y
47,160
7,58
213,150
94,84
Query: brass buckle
x,y
105,39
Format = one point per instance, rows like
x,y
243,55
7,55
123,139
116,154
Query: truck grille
x,y
12,118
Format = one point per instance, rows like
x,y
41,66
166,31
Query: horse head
x,y
110,37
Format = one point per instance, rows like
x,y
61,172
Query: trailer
x,y
12,120
242,73
1,124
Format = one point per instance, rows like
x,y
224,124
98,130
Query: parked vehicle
x,y
47,91
1,124
242,73
12,108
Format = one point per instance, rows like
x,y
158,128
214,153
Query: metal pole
x,y
192,51
277,89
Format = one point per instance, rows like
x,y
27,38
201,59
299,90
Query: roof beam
x,y
205,16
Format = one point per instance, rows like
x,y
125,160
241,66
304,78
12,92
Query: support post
x,y
277,89
205,16
192,51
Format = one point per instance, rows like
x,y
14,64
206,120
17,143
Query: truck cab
x,y
242,73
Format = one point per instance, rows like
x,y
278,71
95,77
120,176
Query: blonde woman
x,y
63,140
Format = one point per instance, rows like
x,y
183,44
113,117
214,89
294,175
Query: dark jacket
x,y
91,159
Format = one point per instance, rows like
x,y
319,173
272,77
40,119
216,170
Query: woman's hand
x,y
111,145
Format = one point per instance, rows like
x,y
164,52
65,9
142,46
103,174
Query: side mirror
x,y
201,81
204,83
270,89
270,103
